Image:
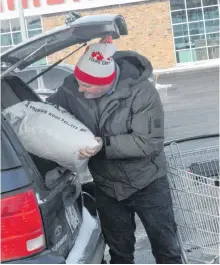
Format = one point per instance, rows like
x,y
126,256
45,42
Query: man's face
x,y
92,91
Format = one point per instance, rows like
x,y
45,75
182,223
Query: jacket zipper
x,y
109,114
149,125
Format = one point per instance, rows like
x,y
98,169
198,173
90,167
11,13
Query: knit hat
x,y
96,66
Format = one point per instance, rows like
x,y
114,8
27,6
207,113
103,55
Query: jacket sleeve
x,y
147,136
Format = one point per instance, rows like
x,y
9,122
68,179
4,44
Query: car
x,y
47,215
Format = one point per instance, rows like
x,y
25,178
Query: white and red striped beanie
x,y
96,66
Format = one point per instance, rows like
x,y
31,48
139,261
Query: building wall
x,y
149,31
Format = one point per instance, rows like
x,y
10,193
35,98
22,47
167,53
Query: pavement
x,y
191,105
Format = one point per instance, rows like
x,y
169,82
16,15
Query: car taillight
x,y
22,231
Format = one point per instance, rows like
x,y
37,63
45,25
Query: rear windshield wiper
x,y
55,64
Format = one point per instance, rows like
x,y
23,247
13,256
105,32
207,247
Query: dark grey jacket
x,y
131,122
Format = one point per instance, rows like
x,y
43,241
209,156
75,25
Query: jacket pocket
x,y
139,171
117,171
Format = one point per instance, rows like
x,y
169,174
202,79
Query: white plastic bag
x,y
51,133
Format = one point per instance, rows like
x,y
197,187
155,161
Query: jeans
x,y
153,205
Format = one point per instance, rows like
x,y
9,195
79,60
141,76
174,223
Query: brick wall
x,y
149,31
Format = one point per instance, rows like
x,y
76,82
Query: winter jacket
x,y
130,120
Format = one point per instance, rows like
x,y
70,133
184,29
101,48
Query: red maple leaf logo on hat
x,y
93,54
97,55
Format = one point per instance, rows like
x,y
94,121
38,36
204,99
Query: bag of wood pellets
x,y
51,132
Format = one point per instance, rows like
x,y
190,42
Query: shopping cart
x,y
194,183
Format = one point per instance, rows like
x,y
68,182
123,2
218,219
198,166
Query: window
x,y
212,39
54,78
212,26
198,41
178,4
193,3
11,31
209,2
183,56
15,24
195,29
213,52
180,30
211,12
5,27
27,75
6,39
42,61
33,33
182,43
178,17
16,37
199,54
33,23
195,14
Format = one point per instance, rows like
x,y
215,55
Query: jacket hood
x,y
133,66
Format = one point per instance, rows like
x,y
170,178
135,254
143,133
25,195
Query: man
x,y
111,94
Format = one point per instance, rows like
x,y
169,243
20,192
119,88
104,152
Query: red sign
x,y
36,3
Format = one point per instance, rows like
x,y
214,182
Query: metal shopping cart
x,y
194,183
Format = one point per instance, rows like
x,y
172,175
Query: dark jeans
x,y
153,205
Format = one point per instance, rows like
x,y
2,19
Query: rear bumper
x,y
89,246
46,257
96,256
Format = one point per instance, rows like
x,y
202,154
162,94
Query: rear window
x,y
9,158
54,78
27,75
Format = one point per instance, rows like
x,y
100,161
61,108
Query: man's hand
x,y
87,153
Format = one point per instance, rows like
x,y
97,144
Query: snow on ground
x,y
160,86
88,226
